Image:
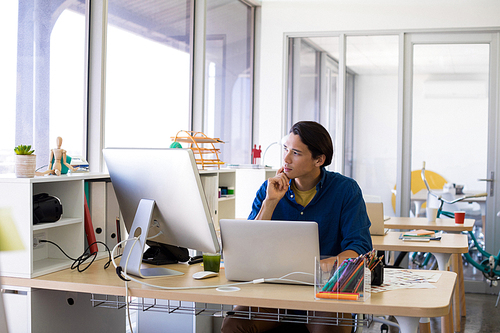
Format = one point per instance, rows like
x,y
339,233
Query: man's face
x,y
297,158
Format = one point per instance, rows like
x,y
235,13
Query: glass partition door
x,y
453,112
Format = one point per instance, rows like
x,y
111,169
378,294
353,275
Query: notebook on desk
x,y
269,249
375,211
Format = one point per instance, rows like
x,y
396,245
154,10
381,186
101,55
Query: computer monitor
x,y
161,199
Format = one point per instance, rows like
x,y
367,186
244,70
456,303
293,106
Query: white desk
x,y
407,305
442,250
443,224
447,225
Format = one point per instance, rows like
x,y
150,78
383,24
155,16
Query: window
x,y
305,81
374,60
313,83
42,92
229,78
148,72
148,81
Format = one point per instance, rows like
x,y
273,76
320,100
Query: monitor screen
x,y
160,190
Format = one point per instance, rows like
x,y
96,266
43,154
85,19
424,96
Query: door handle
x,y
489,180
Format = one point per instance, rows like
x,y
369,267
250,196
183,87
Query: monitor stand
x,y
131,259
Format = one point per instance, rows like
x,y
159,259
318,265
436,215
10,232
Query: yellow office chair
x,y
435,181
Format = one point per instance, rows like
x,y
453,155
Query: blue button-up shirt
x,y
338,208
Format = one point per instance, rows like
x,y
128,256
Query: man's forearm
x,y
267,209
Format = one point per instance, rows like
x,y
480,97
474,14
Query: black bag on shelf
x,y
46,208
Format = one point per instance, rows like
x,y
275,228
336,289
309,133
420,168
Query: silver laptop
x,y
269,249
375,211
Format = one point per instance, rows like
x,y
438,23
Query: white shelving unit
x,y
245,181
39,310
223,207
16,196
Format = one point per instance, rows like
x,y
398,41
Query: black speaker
x,y
164,254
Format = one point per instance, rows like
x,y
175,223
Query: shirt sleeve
x,y
355,224
257,202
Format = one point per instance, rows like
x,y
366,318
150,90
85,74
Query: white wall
x,y
279,17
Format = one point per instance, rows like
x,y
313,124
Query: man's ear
x,y
320,160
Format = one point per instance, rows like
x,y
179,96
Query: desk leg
x,y
408,324
460,271
447,321
458,299
425,325
442,259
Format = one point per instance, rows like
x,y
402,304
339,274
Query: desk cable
x,y
122,274
87,255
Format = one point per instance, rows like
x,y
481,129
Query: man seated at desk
x,y
303,190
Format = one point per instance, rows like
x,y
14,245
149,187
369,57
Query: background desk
x,y
442,250
408,305
420,197
449,243
444,224
447,225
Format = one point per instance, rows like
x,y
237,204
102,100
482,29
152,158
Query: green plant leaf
x,y
24,150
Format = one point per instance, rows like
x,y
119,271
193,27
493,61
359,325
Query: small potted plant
x,y
25,161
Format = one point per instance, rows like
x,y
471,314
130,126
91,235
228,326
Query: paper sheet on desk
x,y
403,278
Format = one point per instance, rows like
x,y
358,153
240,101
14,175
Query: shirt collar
x,y
323,178
320,183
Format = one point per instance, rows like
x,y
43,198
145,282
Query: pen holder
x,y
378,274
345,280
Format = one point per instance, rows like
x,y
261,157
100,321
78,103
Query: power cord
x,y
78,262
122,274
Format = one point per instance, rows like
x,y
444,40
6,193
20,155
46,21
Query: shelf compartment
x,y
62,222
47,253
49,265
227,198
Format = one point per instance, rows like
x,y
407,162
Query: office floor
x,y
482,316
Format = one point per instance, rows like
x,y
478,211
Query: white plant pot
x,y
25,166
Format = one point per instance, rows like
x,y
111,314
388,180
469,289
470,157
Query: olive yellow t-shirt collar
x,y
303,198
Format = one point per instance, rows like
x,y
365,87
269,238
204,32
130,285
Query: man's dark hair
x,y
316,138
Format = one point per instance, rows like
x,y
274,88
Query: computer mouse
x,y
204,275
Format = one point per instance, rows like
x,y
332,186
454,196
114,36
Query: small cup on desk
x,y
459,217
431,214
211,262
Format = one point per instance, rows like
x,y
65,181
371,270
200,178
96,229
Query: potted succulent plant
x,y
25,161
